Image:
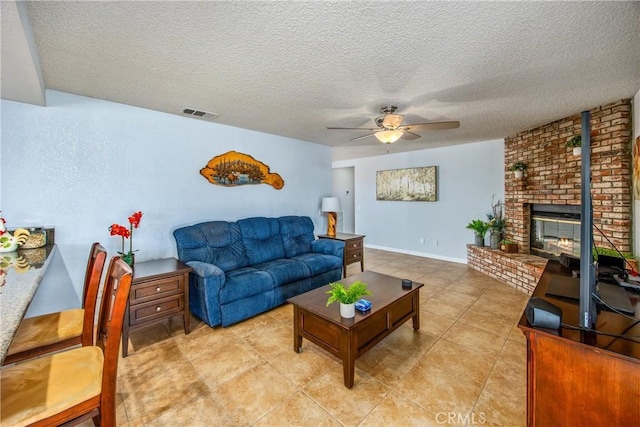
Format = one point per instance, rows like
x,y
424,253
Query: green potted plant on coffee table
x,y
347,296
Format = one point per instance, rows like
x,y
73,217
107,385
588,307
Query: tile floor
x,y
465,366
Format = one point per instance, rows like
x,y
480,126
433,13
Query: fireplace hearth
x,y
555,229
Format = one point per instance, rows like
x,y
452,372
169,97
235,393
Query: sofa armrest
x,y
205,282
206,270
328,247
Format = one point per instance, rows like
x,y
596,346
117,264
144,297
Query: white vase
x,y
347,310
518,173
577,151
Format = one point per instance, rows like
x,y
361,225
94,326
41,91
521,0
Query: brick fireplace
x,y
553,178
553,174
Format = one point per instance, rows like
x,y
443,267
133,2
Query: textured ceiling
x,y
294,68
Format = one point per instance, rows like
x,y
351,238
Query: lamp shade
x,y
389,136
330,204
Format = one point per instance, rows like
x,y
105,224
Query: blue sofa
x,y
244,268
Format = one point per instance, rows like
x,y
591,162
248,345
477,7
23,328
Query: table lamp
x,y
331,205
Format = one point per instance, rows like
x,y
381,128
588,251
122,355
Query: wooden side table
x,y
353,249
159,289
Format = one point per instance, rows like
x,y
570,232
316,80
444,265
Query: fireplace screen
x,y
553,233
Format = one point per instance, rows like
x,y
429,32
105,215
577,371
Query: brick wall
x,y
553,173
521,271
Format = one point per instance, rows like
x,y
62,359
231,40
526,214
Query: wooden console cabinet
x,y
582,378
353,249
159,289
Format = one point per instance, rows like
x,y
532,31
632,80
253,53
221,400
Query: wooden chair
x,y
55,331
76,385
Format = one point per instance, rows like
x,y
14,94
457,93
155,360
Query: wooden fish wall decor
x,y
232,169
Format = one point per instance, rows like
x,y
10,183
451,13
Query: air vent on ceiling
x,y
204,115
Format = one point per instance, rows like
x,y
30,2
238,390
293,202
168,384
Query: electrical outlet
x,y
422,240
435,243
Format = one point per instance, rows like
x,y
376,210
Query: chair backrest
x,y
114,303
92,278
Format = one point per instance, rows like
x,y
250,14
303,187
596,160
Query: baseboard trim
x,y
420,254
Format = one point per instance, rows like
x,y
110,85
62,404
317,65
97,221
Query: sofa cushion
x,y
214,242
245,282
319,263
262,239
297,234
285,270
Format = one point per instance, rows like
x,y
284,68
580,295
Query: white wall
x,y
635,207
468,176
81,164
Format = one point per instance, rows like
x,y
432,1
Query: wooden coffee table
x,y
349,339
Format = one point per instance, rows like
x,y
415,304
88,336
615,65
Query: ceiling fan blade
x,y
335,128
433,126
392,121
362,137
409,135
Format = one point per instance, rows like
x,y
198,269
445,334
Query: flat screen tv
x,y
588,312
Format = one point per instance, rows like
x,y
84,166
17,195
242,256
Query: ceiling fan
x,y
390,127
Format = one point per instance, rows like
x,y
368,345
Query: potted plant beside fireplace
x,y
480,229
509,246
575,143
629,258
496,222
518,169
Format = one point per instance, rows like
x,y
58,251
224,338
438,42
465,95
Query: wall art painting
x,y
409,185
232,169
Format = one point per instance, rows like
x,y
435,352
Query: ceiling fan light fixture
x,y
392,121
389,136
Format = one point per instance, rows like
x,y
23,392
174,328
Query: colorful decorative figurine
x,y
8,242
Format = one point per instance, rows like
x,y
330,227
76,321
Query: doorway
x,y
343,188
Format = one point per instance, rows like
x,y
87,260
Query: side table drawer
x,y
352,255
155,289
155,309
353,244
